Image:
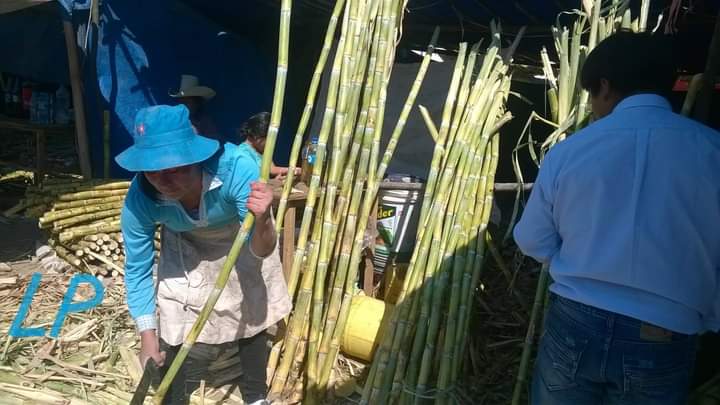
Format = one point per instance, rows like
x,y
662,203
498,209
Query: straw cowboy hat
x,y
163,138
189,87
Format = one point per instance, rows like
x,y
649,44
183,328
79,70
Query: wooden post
x,y
78,105
106,144
40,156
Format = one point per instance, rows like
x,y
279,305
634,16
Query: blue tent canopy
x,y
141,48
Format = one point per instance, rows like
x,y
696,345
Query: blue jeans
x,y
591,356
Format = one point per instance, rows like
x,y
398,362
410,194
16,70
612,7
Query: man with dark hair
x,y
626,213
253,133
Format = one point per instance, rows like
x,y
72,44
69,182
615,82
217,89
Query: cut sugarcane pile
x,y
83,218
94,360
421,355
84,223
345,179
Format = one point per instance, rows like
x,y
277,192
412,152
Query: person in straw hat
x,y
195,97
200,192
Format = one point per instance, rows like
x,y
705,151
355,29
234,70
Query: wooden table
x,y
296,201
40,131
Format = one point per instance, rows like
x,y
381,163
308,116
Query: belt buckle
x,y
654,333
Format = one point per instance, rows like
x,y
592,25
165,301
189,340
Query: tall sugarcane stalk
x,y
249,221
538,303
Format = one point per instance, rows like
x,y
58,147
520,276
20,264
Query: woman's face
x,y
176,182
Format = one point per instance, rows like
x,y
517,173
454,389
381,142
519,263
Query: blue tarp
x,y
143,49
144,46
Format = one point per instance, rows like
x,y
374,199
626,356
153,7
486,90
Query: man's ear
x,y
604,90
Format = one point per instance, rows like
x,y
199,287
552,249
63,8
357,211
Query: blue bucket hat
x,y
164,138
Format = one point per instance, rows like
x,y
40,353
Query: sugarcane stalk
x,y
472,253
249,220
307,113
644,12
482,233
439,150
429,123
452,328
57,215
79,187
67,222
57,206
293,336
66,255
540,291
82,195
296,327
383,70
464,92
108,262
78,232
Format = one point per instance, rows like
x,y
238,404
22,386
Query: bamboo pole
x,y
283,43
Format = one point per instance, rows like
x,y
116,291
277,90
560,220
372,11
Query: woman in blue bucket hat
x,y
200,192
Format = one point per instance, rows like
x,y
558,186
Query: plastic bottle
x,y
308,158
62,106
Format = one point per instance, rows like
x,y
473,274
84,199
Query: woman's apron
x,y
254,298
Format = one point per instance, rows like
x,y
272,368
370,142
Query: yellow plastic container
x,y
364,328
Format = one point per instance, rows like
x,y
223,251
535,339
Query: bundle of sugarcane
x,y
83,218
61,193
568,102
344,183
421,355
